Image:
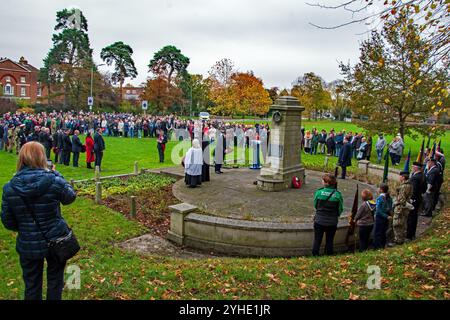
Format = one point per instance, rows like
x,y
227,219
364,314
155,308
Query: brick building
x,y
19,80
132,94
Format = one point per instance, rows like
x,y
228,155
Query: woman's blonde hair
x,y
32,155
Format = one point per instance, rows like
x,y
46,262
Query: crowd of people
x,y
351,145
387,219
60,132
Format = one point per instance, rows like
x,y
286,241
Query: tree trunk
x,y
402,129
120,92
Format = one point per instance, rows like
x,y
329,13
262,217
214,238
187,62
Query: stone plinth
x,y
284,157
177,214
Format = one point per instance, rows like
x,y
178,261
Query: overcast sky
x,y
272,38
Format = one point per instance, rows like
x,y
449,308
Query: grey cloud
x,y
272,38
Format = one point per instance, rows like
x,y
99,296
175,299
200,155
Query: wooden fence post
x,y
97,173
98,193
133,206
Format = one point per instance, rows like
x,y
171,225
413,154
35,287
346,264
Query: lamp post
x,y
190,109
92,79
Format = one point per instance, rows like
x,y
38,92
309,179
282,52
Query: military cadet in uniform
x,y
12,140
402,208
440,163
417,180
17,133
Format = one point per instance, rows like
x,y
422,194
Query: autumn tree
x,y
249,95
160,95
273,93
119,54
219,84
394,79
430,16
284,92
244,96
310,91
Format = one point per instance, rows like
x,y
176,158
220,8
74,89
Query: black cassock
x,y
206,161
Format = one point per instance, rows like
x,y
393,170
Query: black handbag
x,y
61,249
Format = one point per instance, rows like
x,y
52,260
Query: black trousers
x,y
98,158
364,233
161,152
344,172
381,227
66,157
411,224
319,231
32,275
217,167
76,157
47,152
429,203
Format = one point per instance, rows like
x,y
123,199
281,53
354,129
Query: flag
x,y
352,224
433,152
408,160
439,146
386,168
420,156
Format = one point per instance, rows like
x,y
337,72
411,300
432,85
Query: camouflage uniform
x,y
17,139
401,212
11,140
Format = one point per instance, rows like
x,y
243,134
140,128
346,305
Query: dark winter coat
x,y
77,146
345,157
419,185
44,190
67,144
99,143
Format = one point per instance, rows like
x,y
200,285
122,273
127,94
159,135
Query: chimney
x,y
23,61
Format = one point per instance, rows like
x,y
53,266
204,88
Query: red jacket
x,y
89,149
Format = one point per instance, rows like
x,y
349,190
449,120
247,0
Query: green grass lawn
x,y
417,270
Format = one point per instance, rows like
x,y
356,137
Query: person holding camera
x,y
31,206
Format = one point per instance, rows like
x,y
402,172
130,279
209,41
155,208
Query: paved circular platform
x,y
233,195
230,215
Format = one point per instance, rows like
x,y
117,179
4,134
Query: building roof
x,y
22,64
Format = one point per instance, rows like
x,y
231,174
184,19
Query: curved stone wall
x,y
248,238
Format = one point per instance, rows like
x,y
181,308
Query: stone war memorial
x,y
232,215
284,158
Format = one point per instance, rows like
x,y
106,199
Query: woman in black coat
x,y
35,188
